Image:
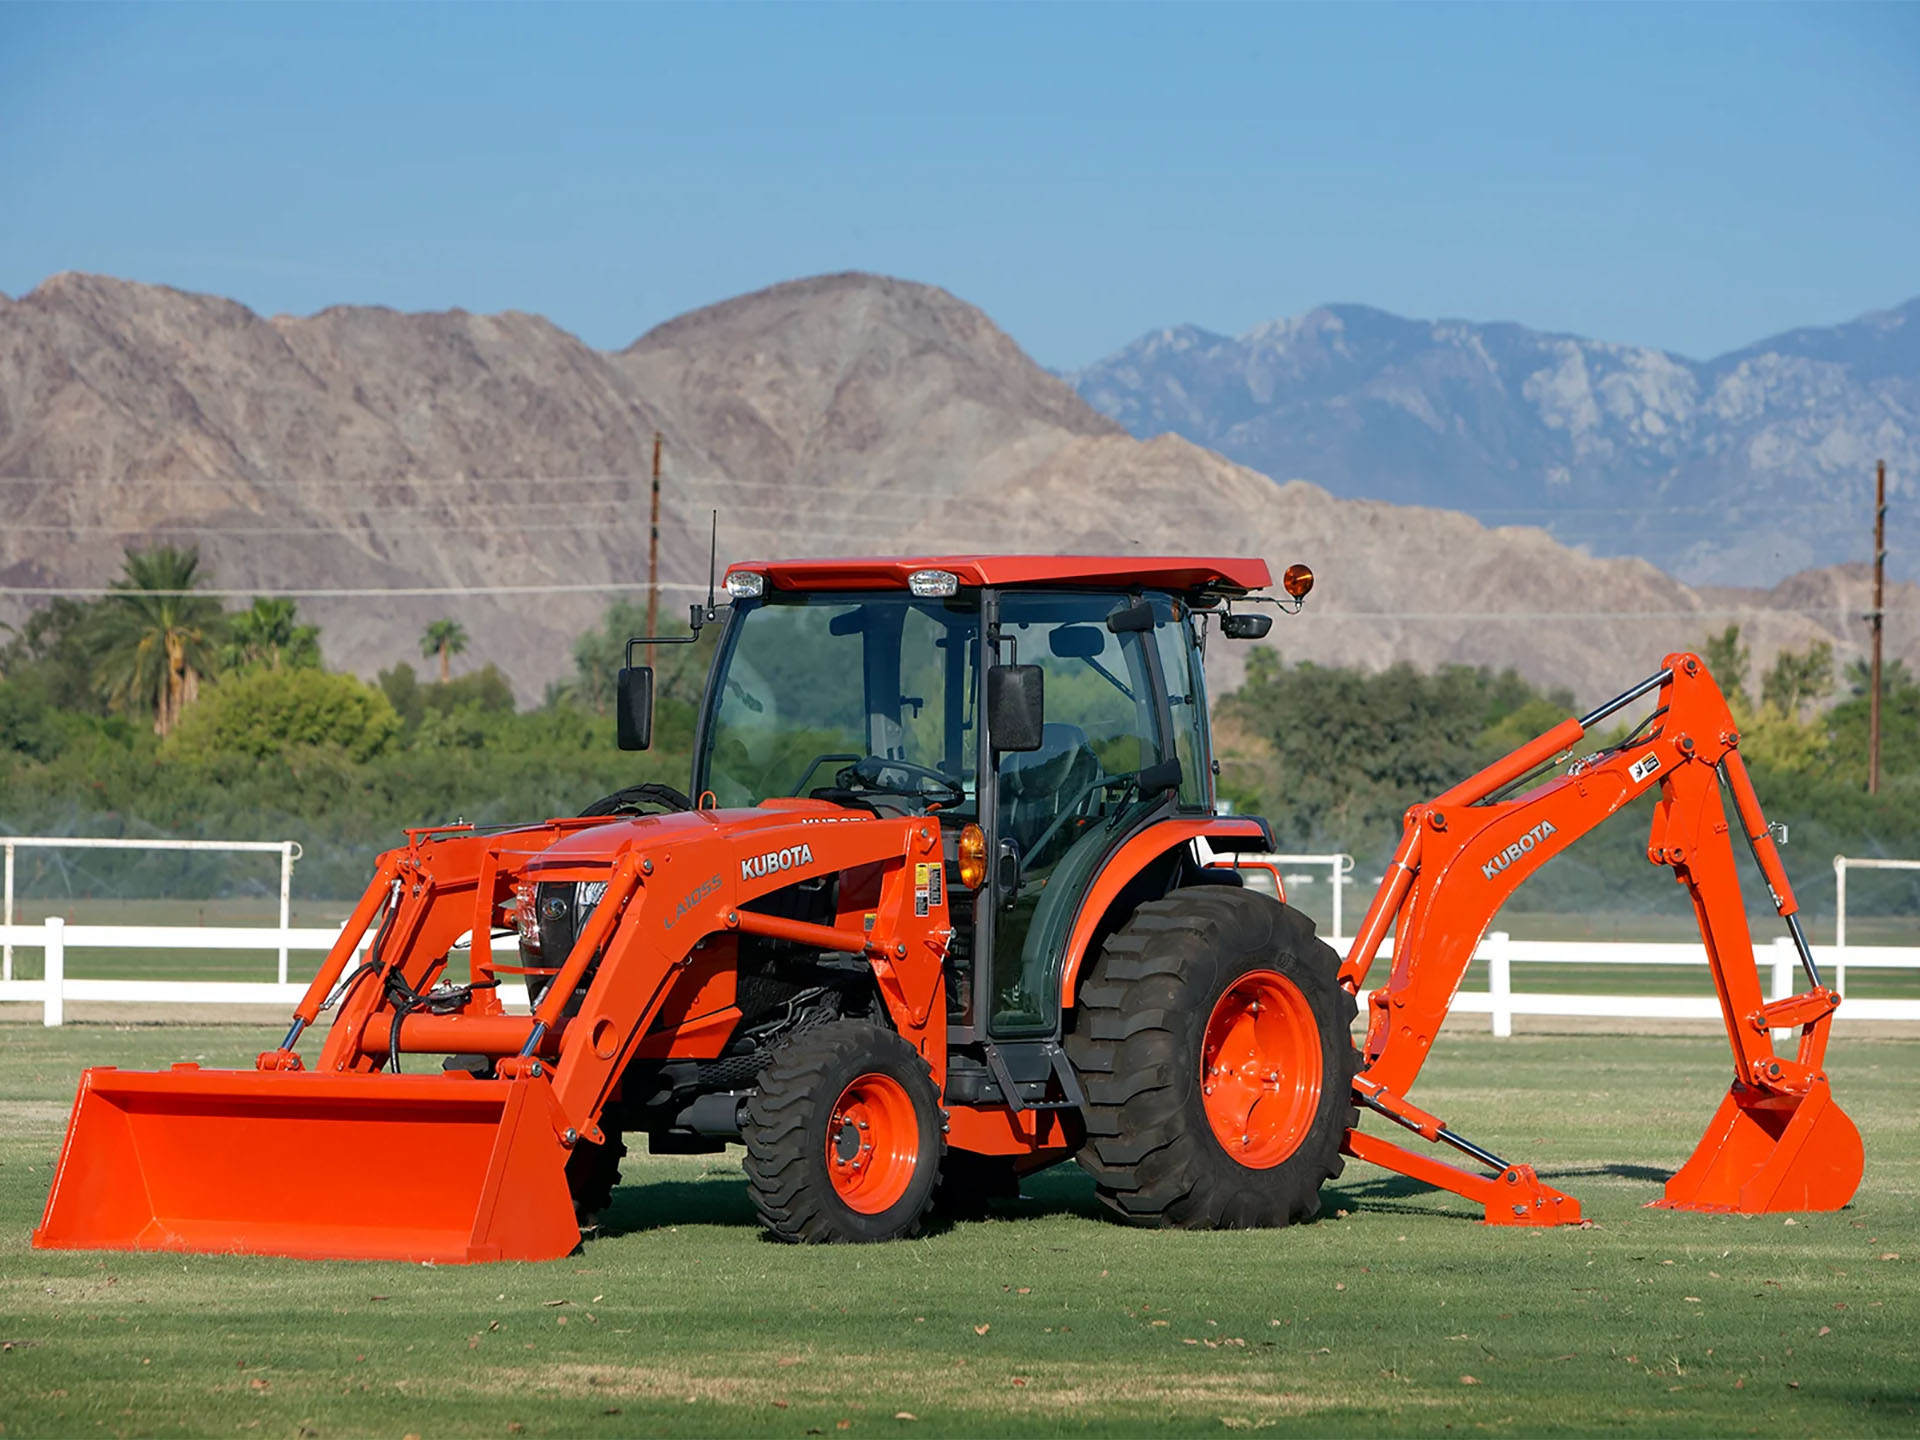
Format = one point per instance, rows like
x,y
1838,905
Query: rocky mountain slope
x,y
1737,470
361,449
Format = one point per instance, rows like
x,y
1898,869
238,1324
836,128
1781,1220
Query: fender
x,y
1128,861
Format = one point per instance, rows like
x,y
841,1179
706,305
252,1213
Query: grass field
x,y
1393,1314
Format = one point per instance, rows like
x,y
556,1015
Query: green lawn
x,y
1394,1314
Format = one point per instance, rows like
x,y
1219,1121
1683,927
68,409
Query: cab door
x,y
1058,811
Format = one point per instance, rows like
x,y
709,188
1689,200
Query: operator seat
x,y
1036,786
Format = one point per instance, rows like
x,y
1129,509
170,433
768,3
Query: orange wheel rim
x,y
1260,1069
873,1143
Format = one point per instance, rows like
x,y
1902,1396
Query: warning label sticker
x,y
920,889
1646,765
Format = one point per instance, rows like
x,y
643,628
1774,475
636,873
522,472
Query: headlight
x,y
746,584
586,895
933,584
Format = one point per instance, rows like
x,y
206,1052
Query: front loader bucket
x,y
317,1166
1771,1152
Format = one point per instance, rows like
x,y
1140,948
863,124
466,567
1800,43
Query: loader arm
x,y
1463,855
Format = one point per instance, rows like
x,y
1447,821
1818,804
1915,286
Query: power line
x,y
641,479
367,592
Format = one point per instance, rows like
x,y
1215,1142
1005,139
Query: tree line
x,y
154,711
1333,757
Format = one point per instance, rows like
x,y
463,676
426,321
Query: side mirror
x,y
1167,775
1016,706
633,707
1247,625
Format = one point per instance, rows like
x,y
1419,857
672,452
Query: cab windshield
x,y
869,694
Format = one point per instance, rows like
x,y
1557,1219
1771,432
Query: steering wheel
x,y
874,772
814,765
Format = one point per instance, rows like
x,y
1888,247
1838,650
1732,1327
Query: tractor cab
x,y
1042,711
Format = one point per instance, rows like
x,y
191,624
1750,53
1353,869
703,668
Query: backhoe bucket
x,y
1766,1153
447,1168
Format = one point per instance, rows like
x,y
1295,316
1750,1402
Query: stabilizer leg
x,y
1515,1196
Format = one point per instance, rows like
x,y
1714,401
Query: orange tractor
x,y
954,903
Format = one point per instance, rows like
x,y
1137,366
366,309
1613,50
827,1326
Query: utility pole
x,y
653,568
1877,617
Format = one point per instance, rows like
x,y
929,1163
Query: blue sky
x,y
1693,178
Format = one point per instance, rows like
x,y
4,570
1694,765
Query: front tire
x,y
592,1172
843,1137
1213,1043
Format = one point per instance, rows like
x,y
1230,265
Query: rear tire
x,y
1212,1041
843,1137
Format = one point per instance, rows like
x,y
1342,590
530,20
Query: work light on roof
x,y
932,584
746,584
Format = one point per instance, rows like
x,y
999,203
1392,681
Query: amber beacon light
x,y
973,857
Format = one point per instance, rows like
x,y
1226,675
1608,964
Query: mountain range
x,y
361,456
1734,471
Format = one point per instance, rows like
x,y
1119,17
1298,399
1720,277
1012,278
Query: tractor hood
x,y
774,826
749,851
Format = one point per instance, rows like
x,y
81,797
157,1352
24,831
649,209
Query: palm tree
x,y
445,638
153,639
269,633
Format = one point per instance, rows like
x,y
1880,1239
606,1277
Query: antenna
x,y
713,561
702,616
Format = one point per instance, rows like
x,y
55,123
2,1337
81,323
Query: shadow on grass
x,y
1063,1190
722,1199
1649,1174
1393,1195
665,1204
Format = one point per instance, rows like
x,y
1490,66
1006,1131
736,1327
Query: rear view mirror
x,y
1016,706
633,707
1246,626
1076,642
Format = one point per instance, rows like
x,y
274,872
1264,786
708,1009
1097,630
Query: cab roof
x,y
890,572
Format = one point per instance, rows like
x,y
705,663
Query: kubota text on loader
x,y
954,904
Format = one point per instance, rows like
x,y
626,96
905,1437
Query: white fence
x,y
56,940
1500,952
1844,863
287,850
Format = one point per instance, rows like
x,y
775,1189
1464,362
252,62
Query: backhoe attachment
x,y
1778,1140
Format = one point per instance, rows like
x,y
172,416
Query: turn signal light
x,y
1297,581
973,857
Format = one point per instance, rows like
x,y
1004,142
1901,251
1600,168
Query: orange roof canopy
x,y
890,572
